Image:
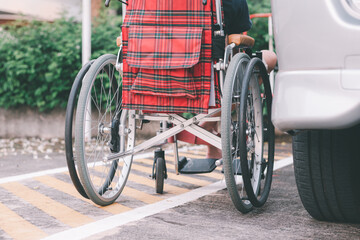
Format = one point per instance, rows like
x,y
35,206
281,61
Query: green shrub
x,y
40,60
259,30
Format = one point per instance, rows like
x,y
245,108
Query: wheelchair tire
x,y
256,170
103,180
69,119
230,126
160,175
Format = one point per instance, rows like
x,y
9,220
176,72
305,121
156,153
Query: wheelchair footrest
x,y
236,167
192,165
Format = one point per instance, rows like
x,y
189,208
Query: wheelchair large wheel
x,y
69,119
256,169
99,118
230,131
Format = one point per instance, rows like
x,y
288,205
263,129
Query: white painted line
x,y
283,163
32,175
145,211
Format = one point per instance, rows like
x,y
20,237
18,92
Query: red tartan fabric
x,y
159,47
167,56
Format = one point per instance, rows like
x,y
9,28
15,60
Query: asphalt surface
x,y
210,217
25,155
214,217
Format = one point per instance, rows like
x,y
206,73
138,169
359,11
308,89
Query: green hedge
x,y
39,60
259,30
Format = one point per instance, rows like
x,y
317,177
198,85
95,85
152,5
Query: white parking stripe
x,y
148,210
32,175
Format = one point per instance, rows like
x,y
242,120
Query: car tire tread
x,y
326,164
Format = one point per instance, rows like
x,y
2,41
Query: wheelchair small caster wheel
x,y
160,175
159,172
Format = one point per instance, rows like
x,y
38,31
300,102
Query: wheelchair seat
x,y
240,39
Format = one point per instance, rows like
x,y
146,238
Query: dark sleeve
x,y
236,16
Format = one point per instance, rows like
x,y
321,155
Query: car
x,y
317,100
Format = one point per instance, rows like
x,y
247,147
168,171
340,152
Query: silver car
x,y
317,99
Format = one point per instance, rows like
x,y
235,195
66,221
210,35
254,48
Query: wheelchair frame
x,y
127,134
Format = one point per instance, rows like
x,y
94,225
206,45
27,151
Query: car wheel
x,y
327,164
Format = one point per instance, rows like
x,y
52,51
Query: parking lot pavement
x,y
26,155
214,217
38,200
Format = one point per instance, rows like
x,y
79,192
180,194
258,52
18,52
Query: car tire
x,y
327,164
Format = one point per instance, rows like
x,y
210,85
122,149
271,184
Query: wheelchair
x,y
173,60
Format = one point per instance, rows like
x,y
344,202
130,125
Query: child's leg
x,y
185,136
212,152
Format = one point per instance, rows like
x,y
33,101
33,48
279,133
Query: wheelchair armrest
x,y
240,39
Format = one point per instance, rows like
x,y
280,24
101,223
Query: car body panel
x,y
318,48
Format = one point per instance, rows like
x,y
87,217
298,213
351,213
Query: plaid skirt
x,y
167,56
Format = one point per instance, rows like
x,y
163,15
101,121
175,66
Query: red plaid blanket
x,y
167,56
